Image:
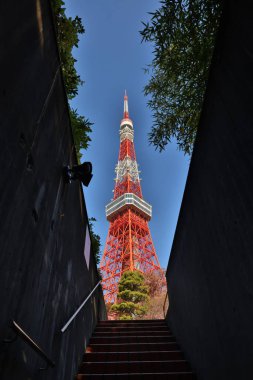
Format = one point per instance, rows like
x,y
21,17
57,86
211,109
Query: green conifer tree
x,y
132,297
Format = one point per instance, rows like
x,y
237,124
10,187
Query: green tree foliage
x,y
132,296
67,32
95,240
183,33
80,127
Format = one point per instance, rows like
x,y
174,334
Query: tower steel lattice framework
x,y
129,244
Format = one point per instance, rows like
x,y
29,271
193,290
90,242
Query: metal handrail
x,y
164,304
19,331
64,328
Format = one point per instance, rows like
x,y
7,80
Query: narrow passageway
x,y
135,349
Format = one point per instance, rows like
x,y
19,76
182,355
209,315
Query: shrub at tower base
x,y
132,297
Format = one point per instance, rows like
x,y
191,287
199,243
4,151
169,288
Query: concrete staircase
x,y
134,350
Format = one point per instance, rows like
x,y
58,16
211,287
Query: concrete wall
x,y
210,272
43,272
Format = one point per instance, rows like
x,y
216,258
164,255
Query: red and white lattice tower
x,y
129,244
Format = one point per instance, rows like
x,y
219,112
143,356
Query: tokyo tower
x,y
129,244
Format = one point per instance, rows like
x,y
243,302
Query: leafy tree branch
x,y
67,34
68,30
183,34
95,240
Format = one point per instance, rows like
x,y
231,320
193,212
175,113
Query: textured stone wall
x,y
43,272
210,272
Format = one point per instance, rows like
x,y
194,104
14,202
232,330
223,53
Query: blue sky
x,y
110,59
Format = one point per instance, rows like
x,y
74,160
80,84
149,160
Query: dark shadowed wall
x,y
44,276
210,272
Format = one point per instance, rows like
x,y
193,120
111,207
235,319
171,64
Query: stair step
x,y
132,339
123,347
137,326
131,356
138,376
134,367
132,321
133,324
131,328
131,333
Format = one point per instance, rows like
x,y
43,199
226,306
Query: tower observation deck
x,y
129,244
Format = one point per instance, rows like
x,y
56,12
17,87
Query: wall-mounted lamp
x,y
82,172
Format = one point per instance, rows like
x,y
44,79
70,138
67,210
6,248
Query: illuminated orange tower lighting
x,y
129,244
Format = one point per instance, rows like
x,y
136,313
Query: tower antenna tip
x,y
126,112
